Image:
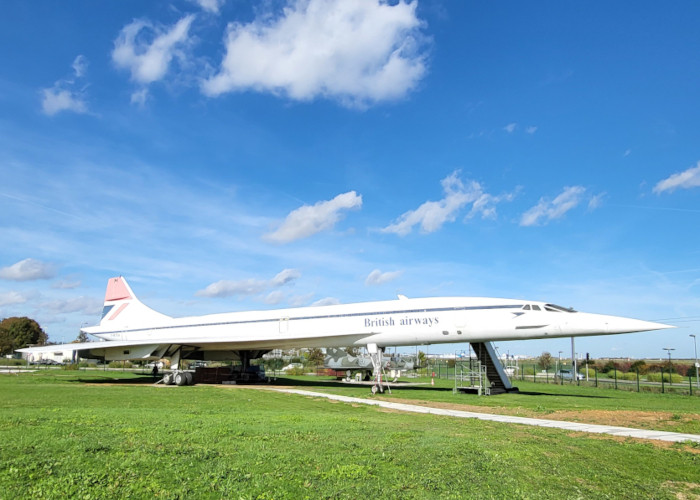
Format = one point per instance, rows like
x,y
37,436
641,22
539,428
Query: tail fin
x,y
123,309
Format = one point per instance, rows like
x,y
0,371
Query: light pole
x,y
670,366
558,364
697,366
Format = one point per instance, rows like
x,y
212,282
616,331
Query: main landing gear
x,y
376,354
178,378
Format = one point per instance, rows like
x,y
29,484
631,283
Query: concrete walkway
x,y
507,419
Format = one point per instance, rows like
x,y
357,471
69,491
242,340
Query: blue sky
x,y
225,155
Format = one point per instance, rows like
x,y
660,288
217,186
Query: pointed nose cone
x,y
617,324
599,324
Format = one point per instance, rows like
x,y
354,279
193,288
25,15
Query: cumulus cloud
x,y
510,128
311,219
431,215
67,93
687,179
248,287
531,129
147,50
28,270
547,210
356,51
377,277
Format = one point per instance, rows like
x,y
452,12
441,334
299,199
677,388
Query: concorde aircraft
x,y
130,330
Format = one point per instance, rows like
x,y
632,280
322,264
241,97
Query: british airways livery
x,y
132,331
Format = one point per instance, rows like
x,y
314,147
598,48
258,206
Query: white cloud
x,y
80,65
308,220
549,210
12,298
139,97
377,277
248,287
274,298
510,128
531,129
147,50
286,276
328,301
685,180
65,284
211,6
431,215
596,201
64,96
356,51
84,305
28,270
56,100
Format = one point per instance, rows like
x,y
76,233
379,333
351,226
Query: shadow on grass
x,y
141,380
398,387
588,396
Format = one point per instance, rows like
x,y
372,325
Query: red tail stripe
x,y
116,290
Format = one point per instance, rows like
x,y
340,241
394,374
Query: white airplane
x,y
132,331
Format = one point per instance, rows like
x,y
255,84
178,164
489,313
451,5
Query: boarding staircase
x,y
486,354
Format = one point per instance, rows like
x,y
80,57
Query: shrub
x,y
70,366
296,370
120,364
656,377
639,365
12,362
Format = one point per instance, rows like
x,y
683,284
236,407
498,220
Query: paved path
x,y
540,422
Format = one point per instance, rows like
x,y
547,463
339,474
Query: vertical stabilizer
x,y
123,309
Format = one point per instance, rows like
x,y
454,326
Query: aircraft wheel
x,y
190,378
180,379
168,379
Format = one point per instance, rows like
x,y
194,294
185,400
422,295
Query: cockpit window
x,y
526,307
556,308
536,308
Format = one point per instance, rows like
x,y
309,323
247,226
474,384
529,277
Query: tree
x,y
274,364
16,333
82,337
640,365
316,357
545,360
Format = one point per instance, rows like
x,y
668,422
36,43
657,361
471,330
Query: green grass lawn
x,y
69,434
674,412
